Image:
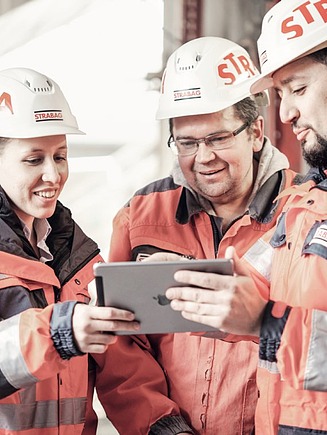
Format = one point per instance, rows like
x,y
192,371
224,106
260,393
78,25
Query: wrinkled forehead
x,y
196,126
228,114
41,144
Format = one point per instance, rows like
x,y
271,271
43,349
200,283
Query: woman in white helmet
x,y
46,263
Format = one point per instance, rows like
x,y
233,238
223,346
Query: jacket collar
x,y
315,174
71,248
14,241
319,176
12,237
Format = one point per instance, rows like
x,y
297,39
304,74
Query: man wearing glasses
x,y
220,193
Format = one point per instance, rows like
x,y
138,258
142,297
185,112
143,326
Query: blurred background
x,y
108,57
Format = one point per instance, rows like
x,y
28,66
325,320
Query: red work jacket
x,y
208,383
292,374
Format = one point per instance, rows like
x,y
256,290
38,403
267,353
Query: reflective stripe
x,y
28,395
12,363
43,414
267,365
316,370
259,256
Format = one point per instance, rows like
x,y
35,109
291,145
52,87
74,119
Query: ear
x,y
258,133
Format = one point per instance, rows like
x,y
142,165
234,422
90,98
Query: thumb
x,y
239,268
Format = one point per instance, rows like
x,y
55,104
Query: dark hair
x,y
319,56
245,110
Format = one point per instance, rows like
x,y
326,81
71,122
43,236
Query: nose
x,y
205,153
288,111
51,173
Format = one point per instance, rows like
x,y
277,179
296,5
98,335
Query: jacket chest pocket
x,y
75,290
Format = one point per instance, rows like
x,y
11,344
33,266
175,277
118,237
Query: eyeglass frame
x,y
206,140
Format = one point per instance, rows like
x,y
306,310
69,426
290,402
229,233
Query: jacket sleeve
x,y
131,384
28,354
35,338
297,340
132,389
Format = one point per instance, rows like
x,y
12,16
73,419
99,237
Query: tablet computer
x,y
140,287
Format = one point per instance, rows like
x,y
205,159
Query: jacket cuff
x,y
171,424
61,330
271,331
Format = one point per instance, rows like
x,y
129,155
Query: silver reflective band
x,y
316,372
216,141
260,257
12,363
42,414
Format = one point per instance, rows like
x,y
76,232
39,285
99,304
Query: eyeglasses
x,y
219,141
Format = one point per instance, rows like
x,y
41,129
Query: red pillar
x,y
192,19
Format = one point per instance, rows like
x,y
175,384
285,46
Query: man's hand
x,y
90,323
229,303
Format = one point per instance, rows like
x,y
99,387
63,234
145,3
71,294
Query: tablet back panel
x,y
140,287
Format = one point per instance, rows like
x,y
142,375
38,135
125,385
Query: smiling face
x,y
302,87
33,172
219,176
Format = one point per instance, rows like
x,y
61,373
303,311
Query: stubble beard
x,y
316,156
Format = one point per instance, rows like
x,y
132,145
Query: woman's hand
x,y
92,326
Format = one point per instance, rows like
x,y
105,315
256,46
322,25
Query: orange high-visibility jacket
x,y
180,382
292,374
43,376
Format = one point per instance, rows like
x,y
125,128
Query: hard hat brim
x,y
43,132
265,81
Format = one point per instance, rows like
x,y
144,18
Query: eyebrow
x,y
210,134
289,80
34,150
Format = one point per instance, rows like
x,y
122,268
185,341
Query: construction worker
x,y
220,193
289,264
46,263
295,364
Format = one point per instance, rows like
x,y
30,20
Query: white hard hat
x,y
290,30
206,75
32,105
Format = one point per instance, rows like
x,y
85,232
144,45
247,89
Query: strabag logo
x,y
305,16
5,102
48,115
236,68
187,94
